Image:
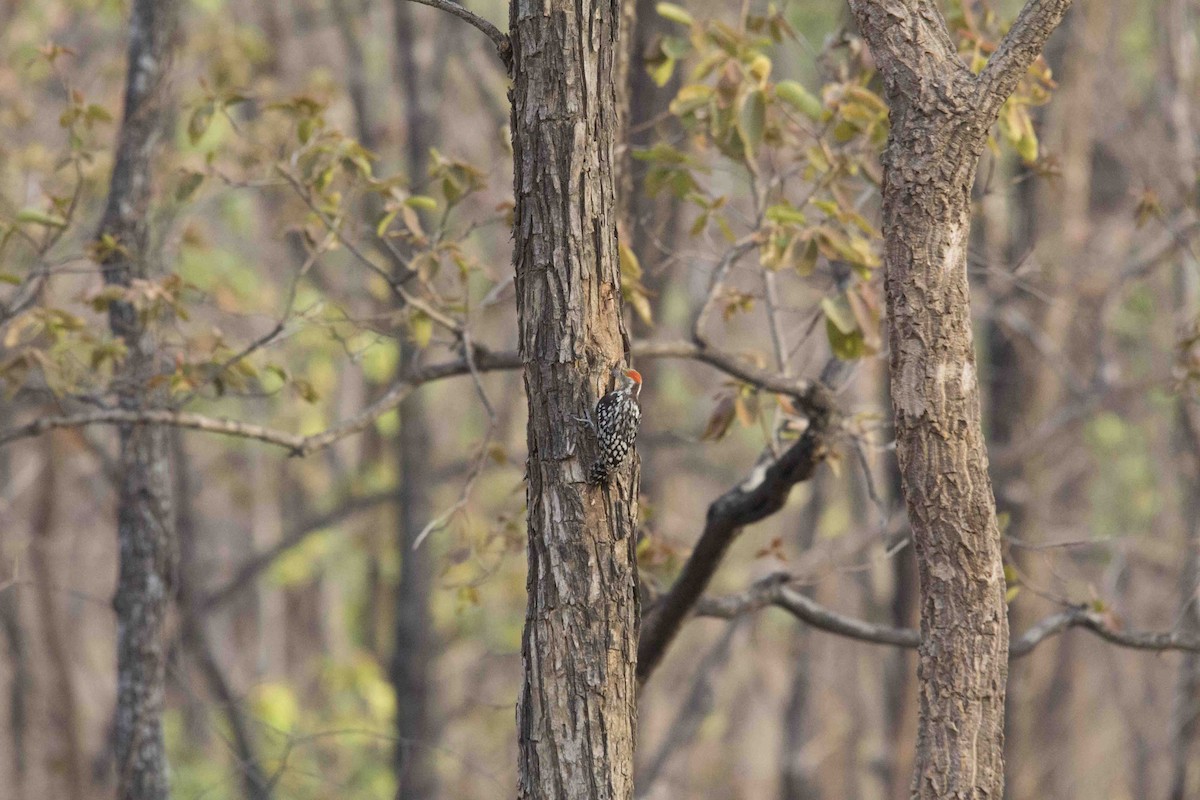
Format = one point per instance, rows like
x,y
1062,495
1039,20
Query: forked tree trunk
x,y
940,117
145,529
576,715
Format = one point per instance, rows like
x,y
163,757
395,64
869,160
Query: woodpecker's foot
x,y
585,421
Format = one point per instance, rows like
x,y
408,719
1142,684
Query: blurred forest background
x,y
332,216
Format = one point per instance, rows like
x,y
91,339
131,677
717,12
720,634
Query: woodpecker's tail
x,y
600,473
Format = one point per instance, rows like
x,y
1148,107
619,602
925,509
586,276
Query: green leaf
x,y
1027,146
422,202
631,268
846,346
660,70
39,217
784,213
689,98
382,227
675,14
752,121
188,186
420,328
799,98
839,313
198,123
806,262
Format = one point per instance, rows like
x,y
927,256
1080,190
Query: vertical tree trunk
x,y
144,524
798,780
414,645
1181,45
576,717
66,747
963,659
255,784
940,116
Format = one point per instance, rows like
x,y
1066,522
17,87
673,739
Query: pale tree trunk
x,y
940,117
144,524
576,715
1178,26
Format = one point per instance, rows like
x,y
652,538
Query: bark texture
x,y
576,716
940,116
144,523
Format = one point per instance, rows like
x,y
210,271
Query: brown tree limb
x,y
758,497
1020,47
778,591
500,39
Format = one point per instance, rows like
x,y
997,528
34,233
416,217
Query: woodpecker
x,y
616,426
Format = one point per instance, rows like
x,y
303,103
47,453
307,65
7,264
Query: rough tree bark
x,y
940,117
576,716
144,524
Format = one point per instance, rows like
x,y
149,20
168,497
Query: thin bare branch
x,y
807,393
503,46
778,591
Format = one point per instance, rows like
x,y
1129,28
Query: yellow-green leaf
x,y
846,346
420,328
838,312
799,98
39,217
675,14
752,121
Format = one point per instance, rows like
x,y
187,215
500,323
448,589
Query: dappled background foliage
x,y
310,258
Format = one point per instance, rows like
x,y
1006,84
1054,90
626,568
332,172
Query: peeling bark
x,y
576,716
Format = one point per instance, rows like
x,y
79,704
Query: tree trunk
x,y
66,746
144,524
940,117
254,782
963,659
576,716
798,779
1180,44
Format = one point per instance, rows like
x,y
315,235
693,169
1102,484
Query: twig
x,y
503,46
439,522
720,271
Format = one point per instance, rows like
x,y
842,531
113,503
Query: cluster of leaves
x,y
810,158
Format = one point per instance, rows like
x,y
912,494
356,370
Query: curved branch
x,y
1018,50
758,497
777,590
503,47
